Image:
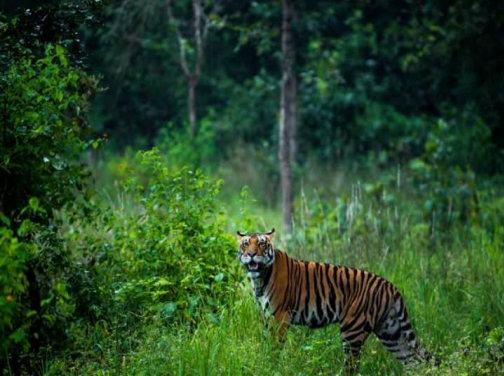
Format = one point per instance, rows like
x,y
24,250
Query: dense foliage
x,y
43,101
374,76
114,260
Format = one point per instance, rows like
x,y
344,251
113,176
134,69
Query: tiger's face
x,y
256,252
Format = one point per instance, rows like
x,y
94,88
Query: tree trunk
x,y
293,125
191,106
286,113
200,26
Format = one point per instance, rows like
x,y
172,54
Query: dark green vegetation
x,y
114,261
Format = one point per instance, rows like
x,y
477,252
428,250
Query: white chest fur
x,y
260,298
264,303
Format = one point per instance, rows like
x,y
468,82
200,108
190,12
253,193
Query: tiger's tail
x,y
397,335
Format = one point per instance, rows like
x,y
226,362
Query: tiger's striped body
x,y
316,294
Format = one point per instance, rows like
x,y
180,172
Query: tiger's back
x,y
320,293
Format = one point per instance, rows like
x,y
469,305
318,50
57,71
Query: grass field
x,y
455,298
452,281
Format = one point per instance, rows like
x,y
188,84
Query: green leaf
x,y
169,309
4,219
34,203
59,96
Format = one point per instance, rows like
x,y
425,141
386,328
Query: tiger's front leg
x,y
263,307
265,320
282,320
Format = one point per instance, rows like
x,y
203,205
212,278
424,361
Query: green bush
x,y
444,172
44,106
176,257
157,249
182,150
13,257
106,269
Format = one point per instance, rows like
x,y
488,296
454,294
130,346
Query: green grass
x,y
455,297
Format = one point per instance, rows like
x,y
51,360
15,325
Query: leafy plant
x,y
43,124
13,284
444,173
175,255
42,128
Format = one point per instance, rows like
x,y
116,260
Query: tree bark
x,y
191,106
293,125
287,113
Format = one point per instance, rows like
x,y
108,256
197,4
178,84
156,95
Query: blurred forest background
x,y
136,137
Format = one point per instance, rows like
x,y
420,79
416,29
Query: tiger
x,y
316,294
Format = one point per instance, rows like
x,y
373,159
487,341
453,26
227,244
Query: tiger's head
x,y
256,252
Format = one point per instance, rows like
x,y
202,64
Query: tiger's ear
x,y
240,235
270,234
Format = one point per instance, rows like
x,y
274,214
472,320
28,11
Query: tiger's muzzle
x,y
255,265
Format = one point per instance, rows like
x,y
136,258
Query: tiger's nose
x,y
252,254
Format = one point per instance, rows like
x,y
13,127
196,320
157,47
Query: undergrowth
x,y
450,275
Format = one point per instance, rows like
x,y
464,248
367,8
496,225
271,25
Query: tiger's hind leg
x,y
353,337
396,334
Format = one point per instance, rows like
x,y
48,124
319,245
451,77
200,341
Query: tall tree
x,y
155,29
287,112
200,33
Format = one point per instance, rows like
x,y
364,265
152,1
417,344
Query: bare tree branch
x,y
215,10
180,39
197,37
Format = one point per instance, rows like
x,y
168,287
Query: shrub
x,y
13,257
444,173
43,119
44,103
175,255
